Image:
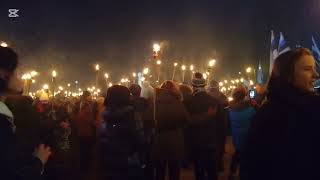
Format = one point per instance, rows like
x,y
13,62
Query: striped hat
x,y
198,80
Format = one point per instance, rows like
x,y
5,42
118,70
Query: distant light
x,y
3,44
97,67
175,64
134,74
26,76
156,47
204,76
34,73
183,67
212,63
248,70
145,70
54,73
220,83
158,62
191,67
251,83
230,98
69,84
110,84
106,75
225,81
45,86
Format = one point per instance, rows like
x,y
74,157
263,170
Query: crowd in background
x,y
145,132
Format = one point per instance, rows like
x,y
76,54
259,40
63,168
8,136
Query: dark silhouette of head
x,y
8,65
117,96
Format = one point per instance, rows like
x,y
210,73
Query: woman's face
x,y
305,73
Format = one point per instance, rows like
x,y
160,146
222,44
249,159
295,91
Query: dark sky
x,y
71,36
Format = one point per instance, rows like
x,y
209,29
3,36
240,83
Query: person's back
x,y
240,116
202,129
119,136
202,132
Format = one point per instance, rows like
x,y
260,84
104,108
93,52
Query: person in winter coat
x,y
143,117
222,118
170,119
120,140
84,124
282,141
240,115
203,130
12,165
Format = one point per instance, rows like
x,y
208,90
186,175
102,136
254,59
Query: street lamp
x,y
183,68
3,44
174,69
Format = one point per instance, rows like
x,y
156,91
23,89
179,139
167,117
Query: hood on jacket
x,y
166,96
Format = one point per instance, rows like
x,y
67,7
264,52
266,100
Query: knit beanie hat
x,y
213,84
198,80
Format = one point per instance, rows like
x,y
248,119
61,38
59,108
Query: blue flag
x,y
260,74
282,48
273,51
316,54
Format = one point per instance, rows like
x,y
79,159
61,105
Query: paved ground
x,y
188,174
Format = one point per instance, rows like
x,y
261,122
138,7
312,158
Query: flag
x,y
273,51
316,54
260,74
282,48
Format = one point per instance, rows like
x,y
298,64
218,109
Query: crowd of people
x,y
145,132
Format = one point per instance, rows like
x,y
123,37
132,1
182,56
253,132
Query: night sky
x,y
71,36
